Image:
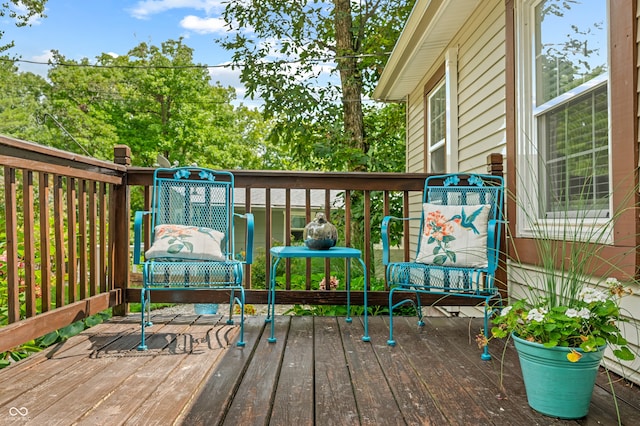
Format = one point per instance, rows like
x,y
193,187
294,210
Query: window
x,y
563,106
297,227
436,113
441,116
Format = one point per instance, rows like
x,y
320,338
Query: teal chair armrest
x,y
137,235
248,259
385,235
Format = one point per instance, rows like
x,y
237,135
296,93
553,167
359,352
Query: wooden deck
x,y
318,372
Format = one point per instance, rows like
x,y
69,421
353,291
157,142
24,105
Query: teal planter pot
x,y
555,386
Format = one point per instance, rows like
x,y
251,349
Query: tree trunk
x,y
350,78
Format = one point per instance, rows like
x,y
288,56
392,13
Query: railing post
x,y
120,214
495,164
495,167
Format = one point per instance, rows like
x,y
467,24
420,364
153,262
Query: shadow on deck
x,y
318,372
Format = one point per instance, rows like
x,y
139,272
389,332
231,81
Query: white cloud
x,y
46,55
145,8
203,25
226,76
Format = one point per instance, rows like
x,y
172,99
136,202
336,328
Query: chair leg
x,y
419,310
241,343
149,322
485,353
391,342
143,323
231,305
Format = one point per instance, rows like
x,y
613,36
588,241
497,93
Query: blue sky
x,y
86,28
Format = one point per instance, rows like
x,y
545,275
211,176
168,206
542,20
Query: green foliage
x,y
21,101
385,130
588,322
154,99
137,307
259,269
319,118
323,310
305,37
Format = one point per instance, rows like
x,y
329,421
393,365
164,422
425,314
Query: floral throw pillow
x,y
454,235
186,243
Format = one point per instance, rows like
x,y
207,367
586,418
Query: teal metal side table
x,y
297,252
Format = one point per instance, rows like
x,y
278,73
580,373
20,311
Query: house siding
x,y
486,124
481,87
415,153
415,133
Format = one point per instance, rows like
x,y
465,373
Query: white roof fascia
x,y
430,28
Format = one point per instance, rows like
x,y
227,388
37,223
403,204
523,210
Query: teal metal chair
x,y
458,244
192,239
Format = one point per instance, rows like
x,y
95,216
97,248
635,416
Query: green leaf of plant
x,y
71,330
49,339
93,320
624,354
498,332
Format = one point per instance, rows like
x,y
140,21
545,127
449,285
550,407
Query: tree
x,y
173,109
21,100
73,110
22,93
21,12
157,101
283,48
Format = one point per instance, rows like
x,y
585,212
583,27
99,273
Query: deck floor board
x,y
318,372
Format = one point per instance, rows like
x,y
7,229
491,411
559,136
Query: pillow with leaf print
x,y
454,235
172,242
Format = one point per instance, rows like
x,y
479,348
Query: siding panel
x,y
481,88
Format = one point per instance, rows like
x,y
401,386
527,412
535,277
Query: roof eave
x,y
430,28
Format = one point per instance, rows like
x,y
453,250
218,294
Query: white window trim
x,y
451,80
526,178
442,143
451,114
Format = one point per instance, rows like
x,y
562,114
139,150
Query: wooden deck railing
x,y
58,246
69,233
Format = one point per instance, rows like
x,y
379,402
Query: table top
x,y
305,252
